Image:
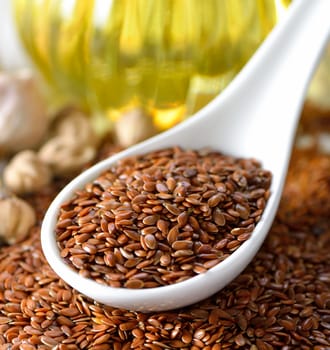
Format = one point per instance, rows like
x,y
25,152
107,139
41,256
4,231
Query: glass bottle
x,y
168,58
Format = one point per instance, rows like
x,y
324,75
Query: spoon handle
x,y
257,114
272,86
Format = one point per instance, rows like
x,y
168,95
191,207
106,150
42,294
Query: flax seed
x,y
287,281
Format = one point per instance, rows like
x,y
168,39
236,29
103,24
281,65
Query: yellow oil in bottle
x,y
169,57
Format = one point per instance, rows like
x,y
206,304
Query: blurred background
x,y
138,67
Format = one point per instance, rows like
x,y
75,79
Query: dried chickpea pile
x,y
280,301
35,148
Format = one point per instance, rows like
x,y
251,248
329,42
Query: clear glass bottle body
x,y
168,57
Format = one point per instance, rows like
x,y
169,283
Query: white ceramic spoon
x,y
255,116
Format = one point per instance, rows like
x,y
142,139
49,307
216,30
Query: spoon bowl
x,y
255,116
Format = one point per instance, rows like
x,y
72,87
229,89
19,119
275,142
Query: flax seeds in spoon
x,y
162,217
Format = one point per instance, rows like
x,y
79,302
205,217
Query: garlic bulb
x,y
26,172
23,119
133,126
76,126
16,217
